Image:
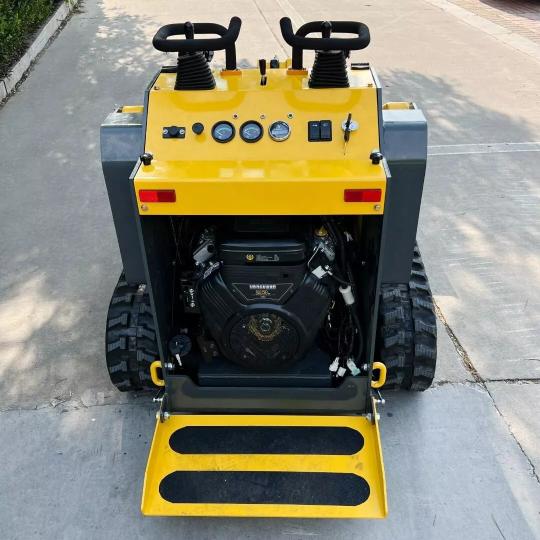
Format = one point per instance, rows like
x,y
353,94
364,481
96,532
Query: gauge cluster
x,y
250,131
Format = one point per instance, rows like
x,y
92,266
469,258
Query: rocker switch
x,y
326,130
319,130
314,131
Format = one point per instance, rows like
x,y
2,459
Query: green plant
x,y
18,20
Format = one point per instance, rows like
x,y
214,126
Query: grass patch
x,y
18,21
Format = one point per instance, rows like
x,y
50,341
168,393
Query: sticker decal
x,y
262,291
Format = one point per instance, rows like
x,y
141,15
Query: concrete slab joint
x,y
469,366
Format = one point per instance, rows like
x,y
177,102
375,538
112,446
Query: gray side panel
x,y
121,146
405,150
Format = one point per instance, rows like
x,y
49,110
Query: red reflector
x,y
362,195
157,195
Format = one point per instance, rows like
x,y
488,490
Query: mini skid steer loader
x,y
266,220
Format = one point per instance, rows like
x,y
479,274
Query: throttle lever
x,y
262,69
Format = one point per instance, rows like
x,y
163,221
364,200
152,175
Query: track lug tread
x,y
407,333
130,338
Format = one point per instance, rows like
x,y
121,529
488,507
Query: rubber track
x,y
408,331
130,338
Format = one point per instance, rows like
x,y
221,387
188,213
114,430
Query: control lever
x,y
189,30
262,69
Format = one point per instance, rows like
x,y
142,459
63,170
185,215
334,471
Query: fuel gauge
x,y
223,132
251,131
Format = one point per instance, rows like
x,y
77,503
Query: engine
x,y
259,301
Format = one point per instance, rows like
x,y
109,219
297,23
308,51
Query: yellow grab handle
x,y
382,375
154,366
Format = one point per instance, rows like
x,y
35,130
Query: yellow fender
x,y
377,383
154,366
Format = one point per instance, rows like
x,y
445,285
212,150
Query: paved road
x,y
462,460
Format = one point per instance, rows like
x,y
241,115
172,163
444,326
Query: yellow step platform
x,y
265,466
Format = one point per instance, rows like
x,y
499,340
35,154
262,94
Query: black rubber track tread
x,y
407,334
130,338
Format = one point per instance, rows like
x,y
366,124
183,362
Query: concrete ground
x,y
462,459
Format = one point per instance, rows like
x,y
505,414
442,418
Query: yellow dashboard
x,y
244,148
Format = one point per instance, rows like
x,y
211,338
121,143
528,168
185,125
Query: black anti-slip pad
x,y
254,487
266,440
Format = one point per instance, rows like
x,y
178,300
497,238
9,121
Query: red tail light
x,y
157,195
362,195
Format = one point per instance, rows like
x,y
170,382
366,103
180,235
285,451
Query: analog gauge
x,y
251,131
279,131
223,132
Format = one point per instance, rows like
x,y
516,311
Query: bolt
x,y
290,115
144,208
377,207
192,304
166,416
263,116
156,87
235,116
165,131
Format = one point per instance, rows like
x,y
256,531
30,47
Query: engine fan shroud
x,y
265,339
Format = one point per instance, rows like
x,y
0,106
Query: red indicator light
x,y
362,195
157,195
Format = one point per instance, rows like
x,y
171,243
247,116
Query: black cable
x,y
336,237
339,280
360,335
334,231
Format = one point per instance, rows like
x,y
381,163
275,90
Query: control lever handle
x,y
262,69
227,39
299,42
